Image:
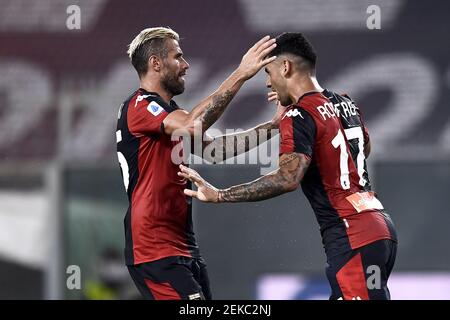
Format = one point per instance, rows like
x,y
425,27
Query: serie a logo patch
x,y
154,108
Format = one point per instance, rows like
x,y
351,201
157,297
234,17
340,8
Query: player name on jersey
x,y
329,110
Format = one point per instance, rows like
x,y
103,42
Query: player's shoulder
x,y
152,102
143,98
337,97
296,112
308,104
311,100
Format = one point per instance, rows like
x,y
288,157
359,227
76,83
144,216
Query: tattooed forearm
x,y
212,107
216,107
287,178
264,188
287,159
232,145
247,140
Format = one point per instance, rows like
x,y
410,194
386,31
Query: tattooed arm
x,y
228,146
220,148
285,179
211,108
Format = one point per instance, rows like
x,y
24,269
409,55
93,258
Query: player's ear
x,y
155,63
286,68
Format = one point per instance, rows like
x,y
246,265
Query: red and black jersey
x,y
158,222
328,128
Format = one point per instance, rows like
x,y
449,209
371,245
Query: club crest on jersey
x,y
292,113
154,108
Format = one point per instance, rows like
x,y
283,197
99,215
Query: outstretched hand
x,y
205,191
255,58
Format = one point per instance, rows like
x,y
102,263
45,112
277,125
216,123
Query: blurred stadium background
x,y
61,196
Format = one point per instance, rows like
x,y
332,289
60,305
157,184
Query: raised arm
x,y
211,108
285,179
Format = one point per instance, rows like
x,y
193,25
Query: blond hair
x,y
149,42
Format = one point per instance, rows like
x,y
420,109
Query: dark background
x,y
61,195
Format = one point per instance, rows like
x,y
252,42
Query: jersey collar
x,y
173,105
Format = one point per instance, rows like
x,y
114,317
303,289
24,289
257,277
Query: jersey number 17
x,y
339,142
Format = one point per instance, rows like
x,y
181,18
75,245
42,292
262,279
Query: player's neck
x,y
302,85
155,86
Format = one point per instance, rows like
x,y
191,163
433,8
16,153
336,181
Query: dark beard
x,y
172,85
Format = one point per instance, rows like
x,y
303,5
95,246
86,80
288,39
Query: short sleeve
x,y
146,117
297,132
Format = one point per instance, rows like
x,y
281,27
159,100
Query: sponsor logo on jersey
x,y
364,201
292,113
154,108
